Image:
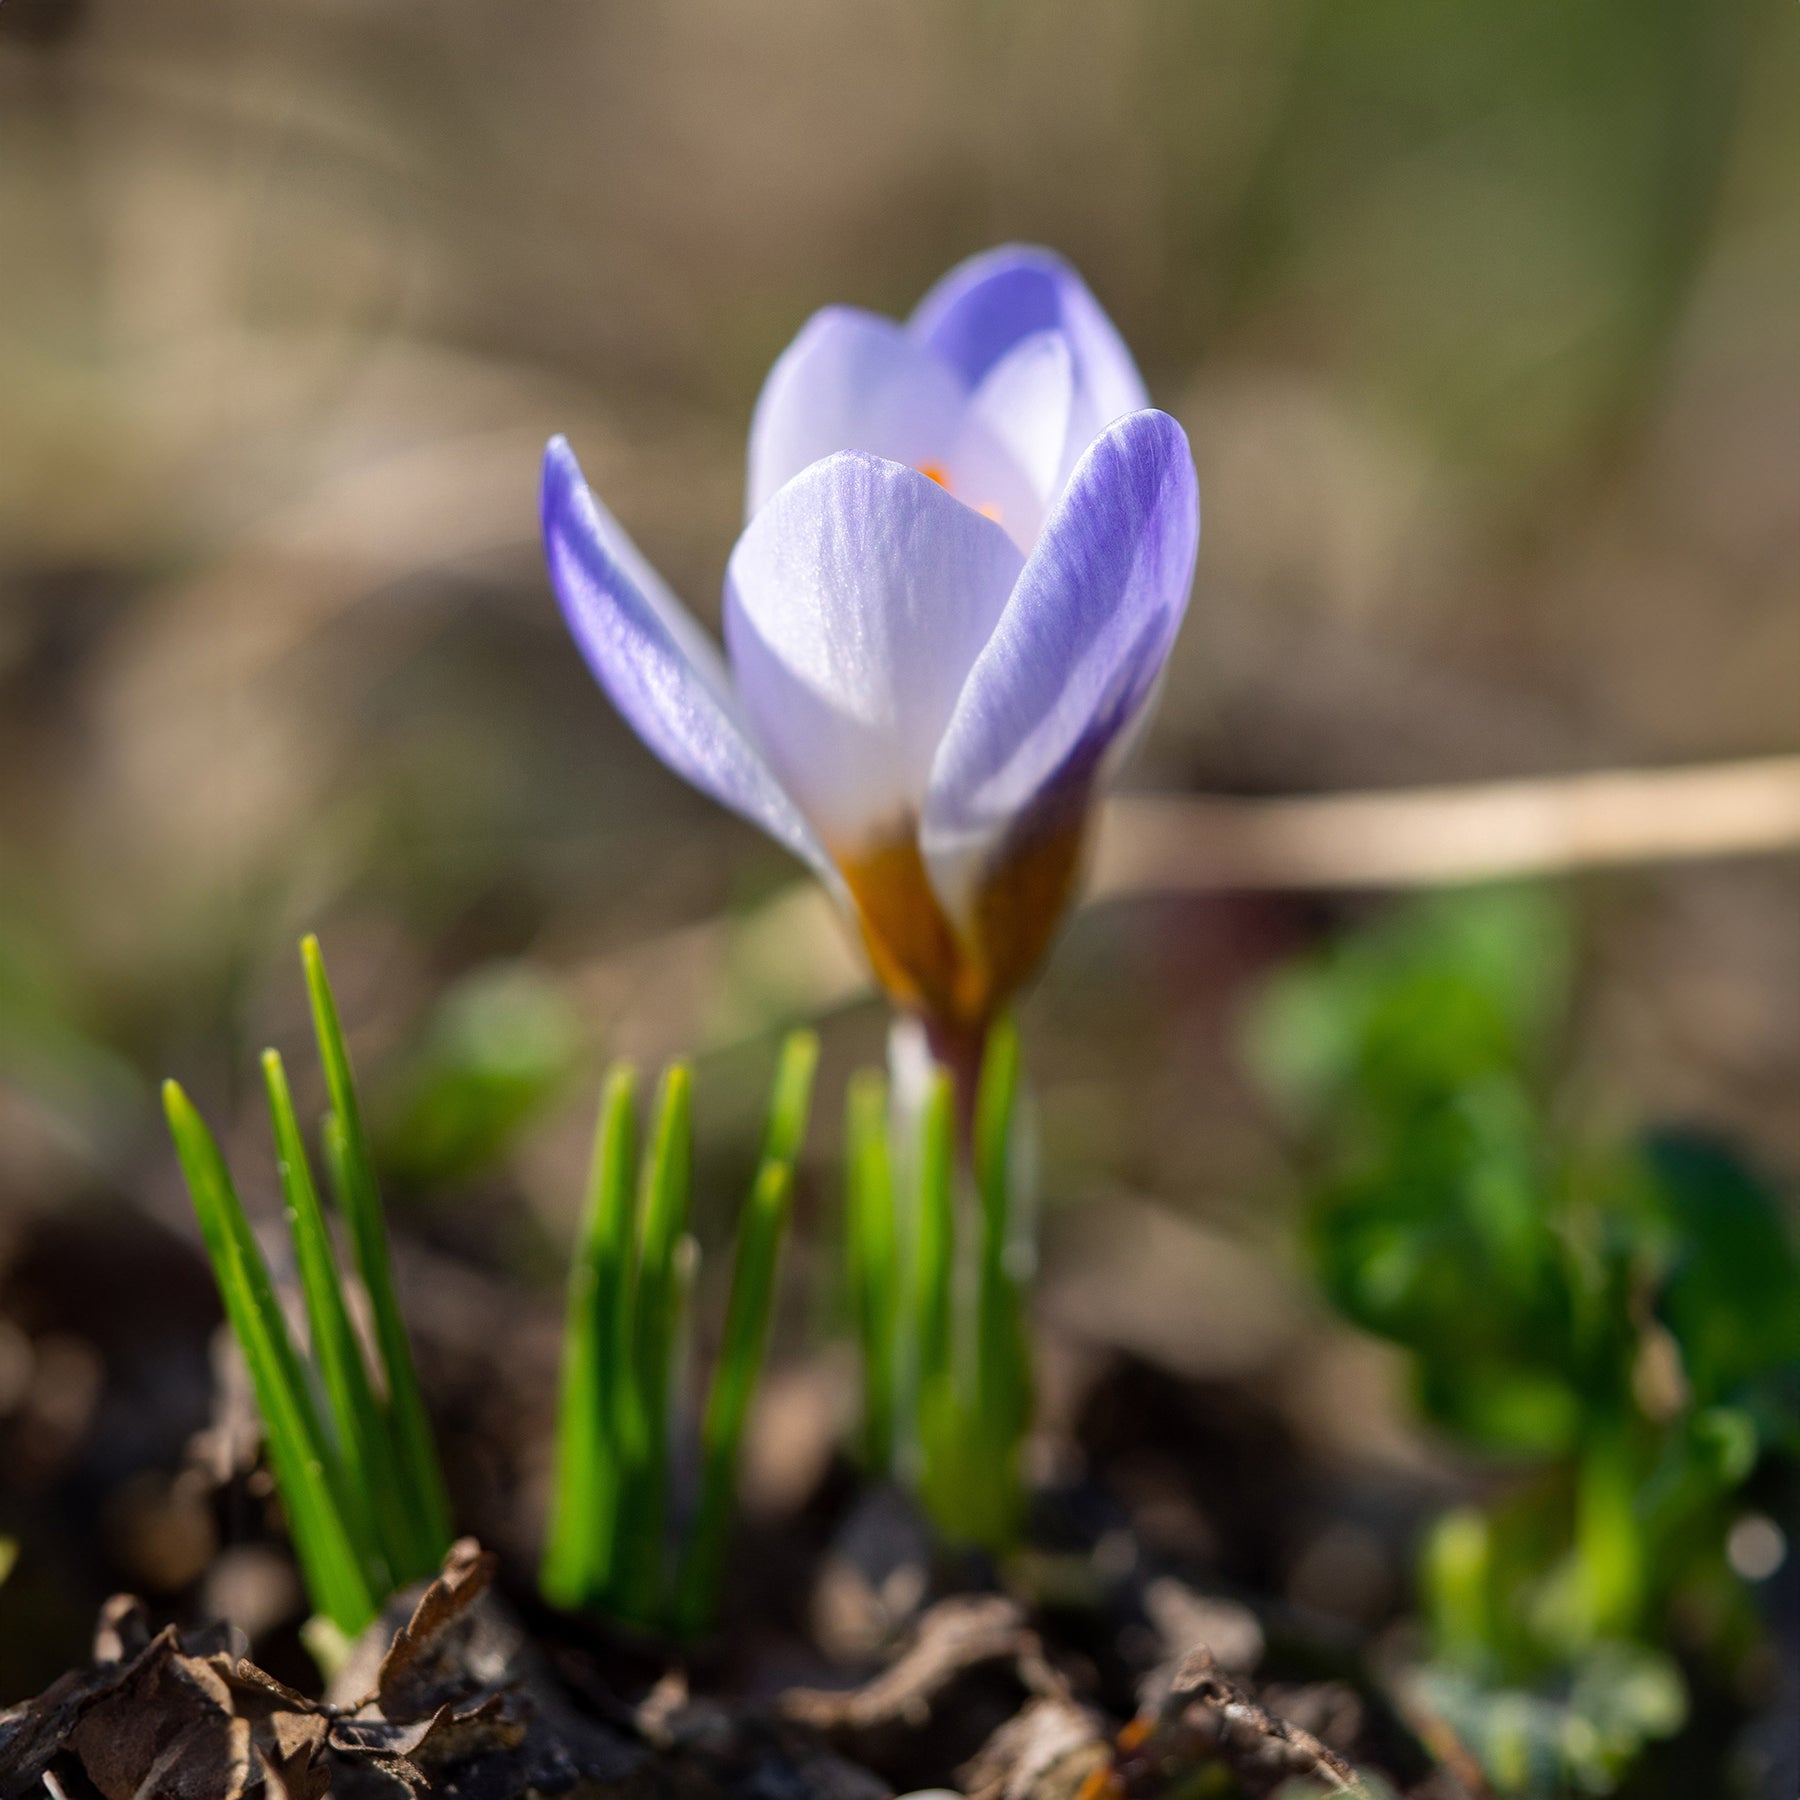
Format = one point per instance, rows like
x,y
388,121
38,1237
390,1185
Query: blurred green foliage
x,y
1616,1325
499,1047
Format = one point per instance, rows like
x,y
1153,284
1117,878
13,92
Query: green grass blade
x,y
298,1452
427,1506
372,1481
792,1099
940,1416
872,1252
728,1401
935,1243
995,1102
578,1551
1002,1367
662,1222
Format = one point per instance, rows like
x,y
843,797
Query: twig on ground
x,y
1199,1682
955,1636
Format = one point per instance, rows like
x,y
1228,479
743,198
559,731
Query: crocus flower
x,y
968,547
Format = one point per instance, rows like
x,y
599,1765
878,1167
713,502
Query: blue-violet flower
x,y
968,548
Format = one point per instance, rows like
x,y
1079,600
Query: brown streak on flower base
x,y
916,952
927,966
1026,894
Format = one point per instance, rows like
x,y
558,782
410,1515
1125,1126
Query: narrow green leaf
x,y
792,1098
873,1255
1002,1359
578,1553
662,1221
663,1214
427,1507
372,1480
995,1101
298,1451
733,1383
935,1243
942,1415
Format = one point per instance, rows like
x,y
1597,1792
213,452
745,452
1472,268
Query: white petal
x,y
856,602
1024,402
852,380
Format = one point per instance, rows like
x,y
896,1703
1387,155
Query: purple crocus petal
x,y
985,306
851,380
659,668
856,602
1074,657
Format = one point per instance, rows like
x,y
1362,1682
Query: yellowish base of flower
x,y
957,981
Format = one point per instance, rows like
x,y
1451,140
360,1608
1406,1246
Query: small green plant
x,y
347,1434
1614,1326
610,1542
348,1438
937,1299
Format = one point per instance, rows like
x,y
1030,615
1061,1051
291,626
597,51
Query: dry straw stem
x,y
662,993
1429,837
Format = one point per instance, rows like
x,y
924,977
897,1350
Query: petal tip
x,y
559,458
999,259
1157,438
842,466
560,480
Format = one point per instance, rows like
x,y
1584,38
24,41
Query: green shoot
x,y
935,1363
872,1252
334,1563
359,1479
655,1317
371,1477
426,1507
578,1550
935,1214
939,1310
608,1540
792,1099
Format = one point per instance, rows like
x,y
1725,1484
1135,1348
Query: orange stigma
x,y
938,473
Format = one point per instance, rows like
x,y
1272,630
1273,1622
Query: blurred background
x,y
1480,319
